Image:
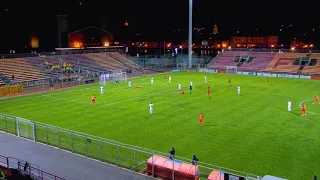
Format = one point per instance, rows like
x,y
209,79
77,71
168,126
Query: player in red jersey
x,y
201,118
229,81
209,92
93,99
304,109
316,99
267,80
181,92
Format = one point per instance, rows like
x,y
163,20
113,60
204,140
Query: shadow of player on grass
x,y
208,125
295,113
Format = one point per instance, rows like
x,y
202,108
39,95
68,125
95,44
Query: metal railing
x,y
32,170
105,150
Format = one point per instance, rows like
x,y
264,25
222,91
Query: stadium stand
x,y
44,65
244,60
1,83
77,62
3,79
285,62
106,61
80,61
313,69
226,59
22,70
259,62
123,59
297,63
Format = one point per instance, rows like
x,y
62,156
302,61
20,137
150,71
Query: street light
x,y
190,34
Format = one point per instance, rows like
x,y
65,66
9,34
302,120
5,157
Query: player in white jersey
x,y
238,89
205,79
151,80
129,83
191,87
169,79
101,89
150,108
179,87
289,105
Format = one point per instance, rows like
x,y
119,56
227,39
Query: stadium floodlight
x,y
190,35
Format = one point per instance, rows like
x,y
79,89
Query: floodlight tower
x,y
190,35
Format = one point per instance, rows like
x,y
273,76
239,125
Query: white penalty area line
x,y
300,105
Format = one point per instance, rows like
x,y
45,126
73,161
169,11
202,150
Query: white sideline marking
x,y
308,111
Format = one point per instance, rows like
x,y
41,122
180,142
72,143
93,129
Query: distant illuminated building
x,y
256,41
215,29
34,42
90,37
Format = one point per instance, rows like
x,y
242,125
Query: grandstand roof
x,y
89,27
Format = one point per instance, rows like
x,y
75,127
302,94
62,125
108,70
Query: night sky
x,y
157,20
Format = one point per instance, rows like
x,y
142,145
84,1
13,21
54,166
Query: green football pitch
x,y
252,132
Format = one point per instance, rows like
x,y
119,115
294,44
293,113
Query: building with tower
x,y
215,29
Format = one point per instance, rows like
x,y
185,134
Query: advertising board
x,y
208,70
305,77
293,76
246,73
283,75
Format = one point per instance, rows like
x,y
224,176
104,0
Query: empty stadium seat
x,y
283,62
106,61
21,70
260,62
124,59
226,59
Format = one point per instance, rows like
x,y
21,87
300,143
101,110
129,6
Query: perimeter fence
x,y
105,150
